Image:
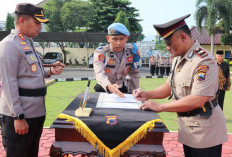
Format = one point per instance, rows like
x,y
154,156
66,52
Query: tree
x,y
43,45
226,25
9,22
160,45
106,11
122,18
208,13
66,16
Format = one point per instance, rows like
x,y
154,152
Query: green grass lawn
x,y
62,93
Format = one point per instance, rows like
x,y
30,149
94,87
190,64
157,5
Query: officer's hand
x,y
114,89
228,88
151,105
141,95
21,127
57,68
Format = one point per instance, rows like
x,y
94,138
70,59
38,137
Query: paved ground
x,y
81,71
172,147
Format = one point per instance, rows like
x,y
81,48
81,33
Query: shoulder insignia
x,y
201,52
201,72
21,36
191,54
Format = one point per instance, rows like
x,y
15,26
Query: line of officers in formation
x,y
160,65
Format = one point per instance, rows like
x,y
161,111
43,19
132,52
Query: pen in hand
x,y
137,92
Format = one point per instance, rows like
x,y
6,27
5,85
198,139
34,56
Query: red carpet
x,y
172,147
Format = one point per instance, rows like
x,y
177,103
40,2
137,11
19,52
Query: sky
x,y
151,11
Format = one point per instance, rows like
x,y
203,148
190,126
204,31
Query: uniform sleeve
x,y
134,81
205,81
9,61
46,72
98,64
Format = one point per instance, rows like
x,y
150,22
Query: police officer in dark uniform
x,y
223,76
22,102
192,85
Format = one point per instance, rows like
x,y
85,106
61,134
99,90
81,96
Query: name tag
x,y
28,52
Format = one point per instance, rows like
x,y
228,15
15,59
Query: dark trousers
x,y
162,70
215,151
221,96
152,70
157,70
167,70
98,88
21,145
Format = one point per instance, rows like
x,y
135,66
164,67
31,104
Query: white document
x,y
106,100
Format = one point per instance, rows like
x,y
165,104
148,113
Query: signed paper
x,y
106,100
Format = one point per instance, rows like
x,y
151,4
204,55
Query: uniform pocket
x,y
197,121
185,87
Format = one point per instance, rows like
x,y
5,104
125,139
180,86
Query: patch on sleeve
x,y
201,72
101,58
201,52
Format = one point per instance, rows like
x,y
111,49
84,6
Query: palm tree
x,y
208,13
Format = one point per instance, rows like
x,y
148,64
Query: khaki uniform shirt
x,y
162,63
195,75
152,62
109,70
20,67
168,63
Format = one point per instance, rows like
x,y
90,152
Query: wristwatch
x,y
19,117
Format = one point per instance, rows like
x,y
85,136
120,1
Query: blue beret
x,y
118,29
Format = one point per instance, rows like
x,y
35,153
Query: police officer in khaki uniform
x,y
167,66
192,85
157,64
112,63
152,64
22,102
162,66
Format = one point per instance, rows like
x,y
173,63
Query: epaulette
x,y
201,52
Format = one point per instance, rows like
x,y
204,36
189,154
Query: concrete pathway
x,y
172,147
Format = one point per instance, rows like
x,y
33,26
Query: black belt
x,y
33,92
208,110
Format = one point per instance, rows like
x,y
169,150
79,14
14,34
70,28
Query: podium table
x,y
69,141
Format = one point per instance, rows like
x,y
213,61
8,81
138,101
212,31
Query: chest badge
x,y
32,58
33,68
111,55
107,70
22,42
111,120
111,61
130,59
26,48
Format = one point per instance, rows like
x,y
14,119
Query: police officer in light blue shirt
x,y
112,63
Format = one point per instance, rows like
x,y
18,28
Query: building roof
x,y
203,37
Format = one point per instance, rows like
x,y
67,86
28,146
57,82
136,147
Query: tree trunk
x,y
61,44
212,43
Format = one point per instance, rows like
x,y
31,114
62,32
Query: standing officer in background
x,y
162,65
152,64
112,63
223,76
192,85
157,65
22,102
167,66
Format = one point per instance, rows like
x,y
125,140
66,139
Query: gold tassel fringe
x,y
134,138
